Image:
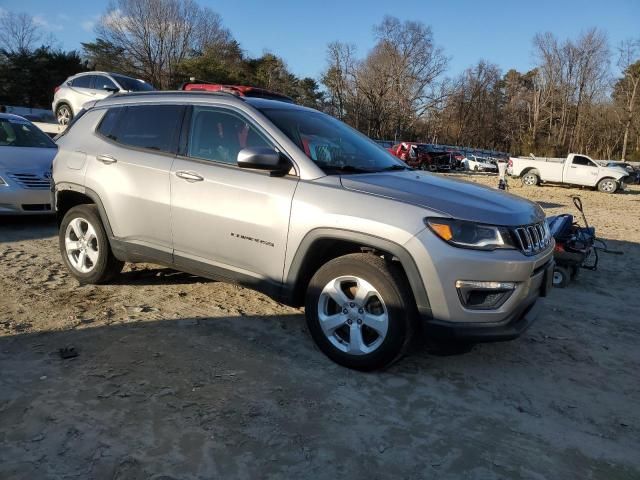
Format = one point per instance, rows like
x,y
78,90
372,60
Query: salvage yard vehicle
x,y
574,170
478,164
26,154
238,90
222,186
421,157
88,86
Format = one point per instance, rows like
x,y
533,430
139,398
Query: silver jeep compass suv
x,y
296,204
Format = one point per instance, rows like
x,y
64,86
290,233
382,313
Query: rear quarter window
x,y
152,127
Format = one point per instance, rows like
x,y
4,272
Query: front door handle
x,y
106,159
189,176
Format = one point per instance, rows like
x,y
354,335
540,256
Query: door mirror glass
x,y
263,158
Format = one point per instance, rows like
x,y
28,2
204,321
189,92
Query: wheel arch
x,y
68,196
324,244
529,170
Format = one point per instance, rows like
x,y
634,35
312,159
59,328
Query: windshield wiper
x,y
345,168
395,167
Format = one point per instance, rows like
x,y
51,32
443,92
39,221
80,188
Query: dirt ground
x,y
182,378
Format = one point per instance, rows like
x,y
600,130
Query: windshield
x,y
17,132
132,84
331,144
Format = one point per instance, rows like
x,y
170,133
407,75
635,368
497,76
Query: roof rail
x,y
159,93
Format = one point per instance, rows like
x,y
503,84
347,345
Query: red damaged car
x,y
418,155
237,90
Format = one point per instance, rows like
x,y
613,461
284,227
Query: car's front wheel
x,y
64,115
360,311
85,248
607,185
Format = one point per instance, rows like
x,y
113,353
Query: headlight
x,y
463,234
2,182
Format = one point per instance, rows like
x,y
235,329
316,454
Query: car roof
x,y
99,72
177,96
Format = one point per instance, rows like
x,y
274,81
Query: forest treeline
x,y
581,95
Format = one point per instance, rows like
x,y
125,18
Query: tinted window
x,y
219,135
132,84
146,126
104,83
83,81
579,160
16,132
109,121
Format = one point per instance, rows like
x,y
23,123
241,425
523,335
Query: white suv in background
x,y
83,87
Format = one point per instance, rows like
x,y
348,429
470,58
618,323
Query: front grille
x,y
532,239
31,181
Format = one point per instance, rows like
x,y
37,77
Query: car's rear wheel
x,y
530,179
85,248
64,114
360,311
607,185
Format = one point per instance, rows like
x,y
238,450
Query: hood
x,y
453,198
26,159
617,172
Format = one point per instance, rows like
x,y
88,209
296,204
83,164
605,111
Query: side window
x,y
108,122
84,81
104,83
154,127
219,135
580,160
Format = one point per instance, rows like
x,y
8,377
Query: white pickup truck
x,y
575,170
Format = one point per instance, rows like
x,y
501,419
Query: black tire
x,y
561,277
107,265
530,179
390,282
475,168
608,185
61,117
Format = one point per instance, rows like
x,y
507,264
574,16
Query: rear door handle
x,y
189,176
106,159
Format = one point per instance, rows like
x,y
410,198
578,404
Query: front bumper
x,y
508,329
15,200
440,265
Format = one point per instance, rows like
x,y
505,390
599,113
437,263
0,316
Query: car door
x,y
232,221
83,91
128,168
581,171
103,86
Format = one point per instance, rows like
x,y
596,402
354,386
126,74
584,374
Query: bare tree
x,y
627,88
156,35
394,85
19,33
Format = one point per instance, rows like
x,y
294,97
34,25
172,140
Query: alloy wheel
x,y
81,244
352,315
64,115
608,186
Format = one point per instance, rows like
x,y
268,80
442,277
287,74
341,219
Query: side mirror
x,y
263,158
109,89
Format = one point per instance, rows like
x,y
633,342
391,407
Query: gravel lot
x,y
179,377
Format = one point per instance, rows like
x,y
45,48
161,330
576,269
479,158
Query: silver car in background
x,y
83,87
26,154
